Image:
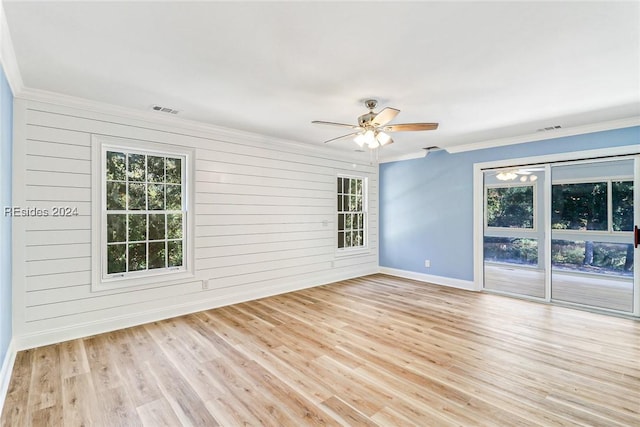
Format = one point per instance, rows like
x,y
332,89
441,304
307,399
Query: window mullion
x,y
126,213
166,231
146,204
609,206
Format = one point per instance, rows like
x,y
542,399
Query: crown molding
x,y
235,134
8,59
186,125
408,156
541,136
521,139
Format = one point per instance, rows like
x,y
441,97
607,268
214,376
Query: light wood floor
x,y
605,291
371,351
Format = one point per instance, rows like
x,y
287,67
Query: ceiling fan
x,y
373,129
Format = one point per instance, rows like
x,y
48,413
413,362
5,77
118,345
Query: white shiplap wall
x,y
265,221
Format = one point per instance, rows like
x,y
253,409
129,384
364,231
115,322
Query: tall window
x,y
144,213
352,212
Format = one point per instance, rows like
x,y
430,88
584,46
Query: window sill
x,y
350,252
152,280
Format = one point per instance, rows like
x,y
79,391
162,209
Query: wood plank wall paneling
x,y
265,220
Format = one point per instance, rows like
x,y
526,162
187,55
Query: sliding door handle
x,y
636,236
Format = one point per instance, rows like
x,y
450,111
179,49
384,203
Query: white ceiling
x,y
483,70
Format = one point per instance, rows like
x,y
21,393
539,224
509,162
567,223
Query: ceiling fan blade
x,y
405,127
344,125
343,136
384,116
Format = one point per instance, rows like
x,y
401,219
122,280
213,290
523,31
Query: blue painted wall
x,y
6,136
426,205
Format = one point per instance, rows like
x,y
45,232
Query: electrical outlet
x,y
427,263
205,285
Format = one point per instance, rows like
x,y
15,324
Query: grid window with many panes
x,y
145,213
352,212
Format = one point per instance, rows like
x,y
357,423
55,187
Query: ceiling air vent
x,y
164,109
548,128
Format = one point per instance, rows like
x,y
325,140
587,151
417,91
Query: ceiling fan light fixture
x,y
360,140
507,176
383,138
373,130
370,139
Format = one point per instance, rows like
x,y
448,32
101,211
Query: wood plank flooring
x,y
605,291
373,351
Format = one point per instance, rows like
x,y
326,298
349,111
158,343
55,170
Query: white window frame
x,y
531,230
353,250
591,234
101,281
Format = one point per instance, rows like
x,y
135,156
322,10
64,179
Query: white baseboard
x,y
5,373
53,336
468,285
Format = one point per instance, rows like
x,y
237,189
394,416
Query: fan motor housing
x,y
365,119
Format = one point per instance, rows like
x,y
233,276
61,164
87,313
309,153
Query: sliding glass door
x,y
563,232
592,220
514,246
